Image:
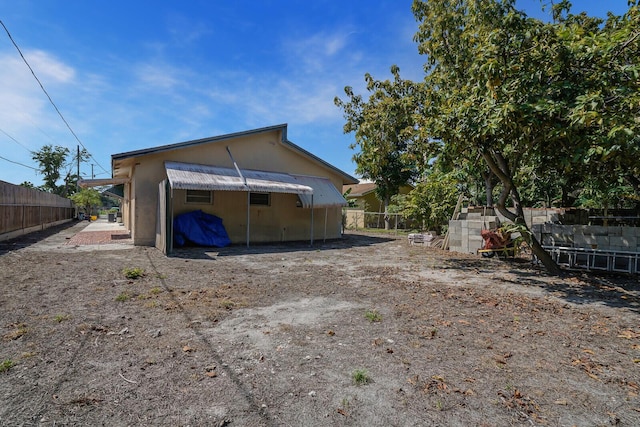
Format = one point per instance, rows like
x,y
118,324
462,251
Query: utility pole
x,y
92,175
78,169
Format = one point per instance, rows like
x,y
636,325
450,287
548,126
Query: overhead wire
x,y
15,140
48,96
18,163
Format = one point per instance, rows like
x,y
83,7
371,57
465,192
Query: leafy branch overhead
x,y
548,110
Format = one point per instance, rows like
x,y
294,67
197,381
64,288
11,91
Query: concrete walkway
x,y
102,233
99,235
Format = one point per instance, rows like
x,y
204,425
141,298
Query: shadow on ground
x,y
348,241
67,230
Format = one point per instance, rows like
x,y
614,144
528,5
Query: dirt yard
x,y
366,331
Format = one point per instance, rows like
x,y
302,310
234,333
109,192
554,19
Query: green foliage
x,y
27,184
360,377
384,128
86,198
51,160
432,201
61,317
133,273
123,296
6,364
373,316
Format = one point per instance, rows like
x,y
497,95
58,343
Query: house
x,y
363,196
264,187
362,202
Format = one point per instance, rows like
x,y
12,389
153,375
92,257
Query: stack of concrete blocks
x,y
593,246
618,239
464,233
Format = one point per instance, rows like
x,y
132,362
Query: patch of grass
x,y
61,317
155,291
133,273
7,364
227,304
19,330
152,304
360,377
373,316
123,297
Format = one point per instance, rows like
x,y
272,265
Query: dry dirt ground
x,y
279,335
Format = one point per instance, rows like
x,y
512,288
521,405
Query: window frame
x,y
259,201
199,199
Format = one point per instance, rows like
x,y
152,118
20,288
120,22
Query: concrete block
x,y
623,242
614,231
602,242
584,240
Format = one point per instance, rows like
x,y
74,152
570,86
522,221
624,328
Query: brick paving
x,y
101,238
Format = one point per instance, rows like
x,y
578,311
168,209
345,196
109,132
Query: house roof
x,y
115,158
312,191
359,190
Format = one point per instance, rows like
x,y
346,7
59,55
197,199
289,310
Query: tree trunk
x,y
500,168
387,222
488,187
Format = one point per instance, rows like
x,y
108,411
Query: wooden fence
x,y
24,210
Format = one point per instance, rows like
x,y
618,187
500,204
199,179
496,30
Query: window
x,y
262,199
203,197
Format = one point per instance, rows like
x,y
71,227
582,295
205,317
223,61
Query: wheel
x,y
488,254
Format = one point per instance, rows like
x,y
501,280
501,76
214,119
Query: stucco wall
x,y
281,221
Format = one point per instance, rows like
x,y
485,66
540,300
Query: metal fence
x,y
358,219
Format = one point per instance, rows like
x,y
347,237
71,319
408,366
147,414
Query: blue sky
x,y
128,75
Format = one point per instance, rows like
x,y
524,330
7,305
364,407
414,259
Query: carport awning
x,y
312,191
325,194
189,176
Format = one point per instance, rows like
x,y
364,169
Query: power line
x,y
49,97
15,140
18,163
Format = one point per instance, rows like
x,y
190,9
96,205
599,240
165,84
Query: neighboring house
x,y
365,198
363,201
264,187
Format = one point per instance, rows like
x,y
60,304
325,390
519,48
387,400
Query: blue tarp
x,y
199,228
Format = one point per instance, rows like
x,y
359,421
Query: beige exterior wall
x,y
370,202
263,151
281,221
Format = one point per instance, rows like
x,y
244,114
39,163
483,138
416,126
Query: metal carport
x,y
313,192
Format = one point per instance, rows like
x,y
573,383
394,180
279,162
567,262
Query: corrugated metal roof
x,y
188,176
325,194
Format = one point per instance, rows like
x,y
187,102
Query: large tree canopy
x,y
551,109
520,92
384,128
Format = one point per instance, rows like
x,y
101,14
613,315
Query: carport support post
x,y
325,224
311,219
248,214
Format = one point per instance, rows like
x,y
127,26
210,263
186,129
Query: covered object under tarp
x,y
199,228
313,192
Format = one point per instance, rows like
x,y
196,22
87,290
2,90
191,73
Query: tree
x,y
87,198
51,160
514,90
27,184
432,201
384,128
